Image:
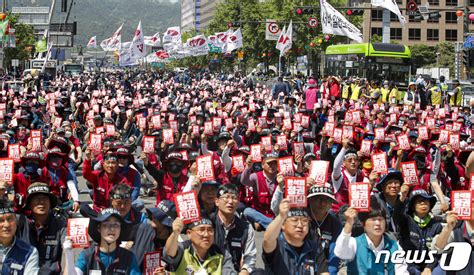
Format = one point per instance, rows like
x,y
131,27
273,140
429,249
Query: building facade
x,y
197,14
449,27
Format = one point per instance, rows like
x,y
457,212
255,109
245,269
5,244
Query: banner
x,y
172,35
153,41
92,42
333,22
286,40
392,6
197,45
113,43
138,48
234,41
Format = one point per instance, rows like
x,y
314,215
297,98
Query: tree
x,y
423,55
25,39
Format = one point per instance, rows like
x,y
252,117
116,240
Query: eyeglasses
x,y
202,230
295,221
227,198
111,225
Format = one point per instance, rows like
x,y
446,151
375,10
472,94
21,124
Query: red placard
x,y
205,168
171,117
403,142
423,132
287,124
430,122
443,136
359,196
152,261
142,122
35,133
356,116
348,132
77,229
229,124
329,127
298,149
454,141
285,166
216,123
461,204
256,152
156,120
14,152
338,135
99,130
305,121
238,164
187,206
251,125
148,144
36,144
366,147
319,171
110,130
379,163
262,121
393,118
173,125
168,136
472,182
57,122
295,191
196,130
457,126
267,143
208,130
379,134
410,173
282,142
95,142
348,116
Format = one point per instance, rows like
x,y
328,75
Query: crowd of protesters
x,y
95,125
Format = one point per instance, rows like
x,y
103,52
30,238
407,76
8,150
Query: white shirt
x,y
346,248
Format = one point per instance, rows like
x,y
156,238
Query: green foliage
x,y
25,38
425,56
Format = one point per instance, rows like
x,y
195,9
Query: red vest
x,y
342,195
261,200
166,188
20,185
58,184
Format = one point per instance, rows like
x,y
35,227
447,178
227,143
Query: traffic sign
x,y
272,30
412,7
312,22
15,62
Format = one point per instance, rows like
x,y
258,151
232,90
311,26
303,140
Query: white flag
x,y
92,42
114,42
335,23
153,41
48,56
172,35
138,48
197,45
222,39
392,6
281,39
288,40
234,41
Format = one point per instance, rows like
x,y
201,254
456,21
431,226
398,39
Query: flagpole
x,y
279,65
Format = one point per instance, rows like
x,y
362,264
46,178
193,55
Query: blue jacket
x,y
17,257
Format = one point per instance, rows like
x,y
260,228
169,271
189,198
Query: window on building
x,y
414,34
471,2
433,2
451,2
377,15
432,34
393,17
451,35
433,20
451,17
396,33
400,2
377,31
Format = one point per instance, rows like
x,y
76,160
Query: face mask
x,y
31,168
68,134
174,168
55,163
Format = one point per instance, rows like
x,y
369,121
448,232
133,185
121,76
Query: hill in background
x,y
103,17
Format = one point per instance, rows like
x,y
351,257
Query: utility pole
x,y
386,26
2,52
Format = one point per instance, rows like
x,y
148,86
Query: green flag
x,y
41,46
3,27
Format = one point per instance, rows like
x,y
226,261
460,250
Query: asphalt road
x,y
150,202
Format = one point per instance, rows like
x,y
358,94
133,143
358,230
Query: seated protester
x,y
105,255
286,250
30,173
125,159
152,237
263,186
102,181
389,188
198,255
43,229
360,252
325,225
207,197
346,171
120,200
58,177
457,231
417,225
16,256
233,234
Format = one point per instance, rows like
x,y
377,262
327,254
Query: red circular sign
x,y
412,6
312,22
273,28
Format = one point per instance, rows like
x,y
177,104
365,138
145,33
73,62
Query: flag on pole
x,y
280,40
335,23
392,6
48,56
42,45
234,41
172,35
4,27
92,42
138,48
114,42
153,41
285,41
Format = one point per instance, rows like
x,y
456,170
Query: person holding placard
x,y
31,173
417,226
286,248
360,252
16,256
